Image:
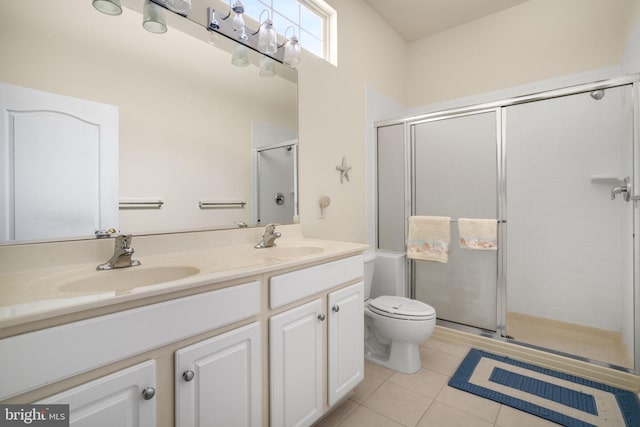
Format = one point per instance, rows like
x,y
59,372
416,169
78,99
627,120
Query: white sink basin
x,y
289,251
120,279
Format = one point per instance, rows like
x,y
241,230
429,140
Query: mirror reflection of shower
x,y
276,197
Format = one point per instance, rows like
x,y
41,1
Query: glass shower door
x,y
455,174
570,229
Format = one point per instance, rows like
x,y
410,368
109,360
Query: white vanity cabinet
x,y
125,398
295,339
345,340
301,366
218,381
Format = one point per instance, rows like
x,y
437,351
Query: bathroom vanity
x,y
207,331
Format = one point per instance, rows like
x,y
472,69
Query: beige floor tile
x,y
369,384
425,382
364,417
510,417
441,415
377,370
447,347
469,403
338,415
398,403
439,361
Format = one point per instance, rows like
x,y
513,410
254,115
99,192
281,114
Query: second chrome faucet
x,y
122,253
269,237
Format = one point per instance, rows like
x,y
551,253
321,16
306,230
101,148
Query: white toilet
x,y
394,326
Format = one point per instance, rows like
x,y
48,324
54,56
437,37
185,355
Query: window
x,y
312,20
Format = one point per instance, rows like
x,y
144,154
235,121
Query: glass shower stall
x,y
556,171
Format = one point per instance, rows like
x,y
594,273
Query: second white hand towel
x,y
429,238
478,234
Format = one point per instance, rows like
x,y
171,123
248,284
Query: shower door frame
x,y
499,106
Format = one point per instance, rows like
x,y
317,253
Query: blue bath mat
x,y
564,399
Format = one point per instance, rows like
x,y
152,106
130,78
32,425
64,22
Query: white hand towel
x,y
429,238
480,234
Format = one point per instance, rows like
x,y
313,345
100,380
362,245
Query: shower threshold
x,y
585,347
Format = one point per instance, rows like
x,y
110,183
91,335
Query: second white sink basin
x,y
120,279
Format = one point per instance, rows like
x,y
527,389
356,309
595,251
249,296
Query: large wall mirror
x,y
189,123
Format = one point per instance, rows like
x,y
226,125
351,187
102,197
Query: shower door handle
x,y
624,188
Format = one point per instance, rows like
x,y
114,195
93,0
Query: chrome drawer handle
x,y
336,308
321,317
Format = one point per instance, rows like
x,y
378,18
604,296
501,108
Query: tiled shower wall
x,y
569,245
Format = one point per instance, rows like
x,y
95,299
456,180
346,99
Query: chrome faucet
x,y
121,254
269,237
624,188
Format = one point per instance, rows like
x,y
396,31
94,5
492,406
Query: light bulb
x,y
238,20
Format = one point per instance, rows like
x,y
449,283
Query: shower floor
x,y
591,343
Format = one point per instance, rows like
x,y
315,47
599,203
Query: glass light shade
x,y
267,38
108,7
240,57
267,67
292,52
153,18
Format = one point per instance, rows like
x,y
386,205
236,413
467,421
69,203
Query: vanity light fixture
x,y
267,35
291,50
108,7
153,19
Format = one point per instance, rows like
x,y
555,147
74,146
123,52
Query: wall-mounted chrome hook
x,y
624,188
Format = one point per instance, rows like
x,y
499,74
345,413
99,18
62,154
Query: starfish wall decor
x,y
344,170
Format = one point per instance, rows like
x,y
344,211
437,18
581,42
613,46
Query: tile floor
x,y
390,399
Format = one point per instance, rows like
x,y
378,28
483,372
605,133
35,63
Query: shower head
x,y
597,94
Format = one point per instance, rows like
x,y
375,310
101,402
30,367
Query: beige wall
x,y
332,118
537,40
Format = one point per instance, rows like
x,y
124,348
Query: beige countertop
x,y
41,292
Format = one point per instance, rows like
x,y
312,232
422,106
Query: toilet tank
x,y
389,276
369,265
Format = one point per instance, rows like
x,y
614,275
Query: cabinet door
x,y
296,365
124,399
346,340
219,381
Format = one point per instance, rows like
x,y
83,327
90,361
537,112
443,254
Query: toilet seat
x,y
401,308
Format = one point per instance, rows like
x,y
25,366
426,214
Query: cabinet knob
x,y
188,375
148,393
336,308
321,317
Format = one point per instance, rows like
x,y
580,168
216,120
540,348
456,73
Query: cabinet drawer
x,y
37,358
290,287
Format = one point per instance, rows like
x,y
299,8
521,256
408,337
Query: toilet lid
x,y
401,307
